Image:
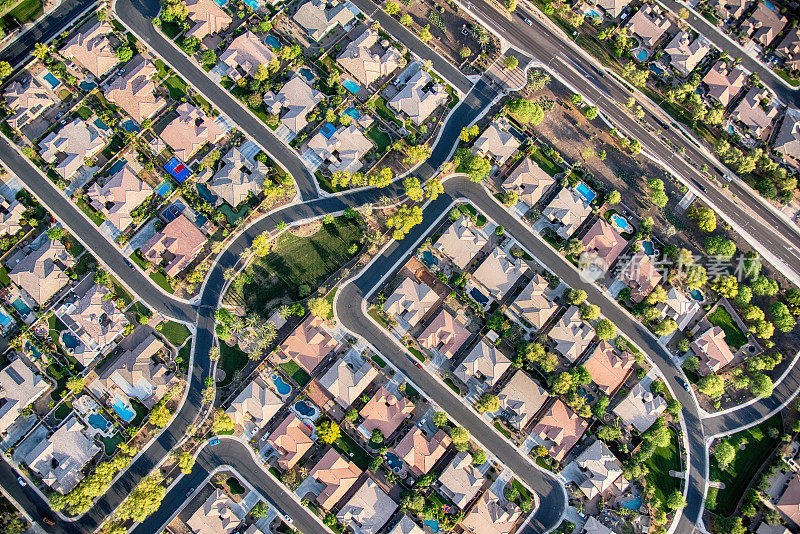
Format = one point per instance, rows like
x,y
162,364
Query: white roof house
x,y
419,97
293,102
571,335
752,114
521,398
343,150
190,130
318,18
122,192
649,24
640,408
600,470
532,304
238,177
460,243
369,508
461,481
685,54
568,210
135,90
367,60
529,181
498,273
26,100
497,142
484,362
255,405
11,216
247,52
216,515
410,301
71,145
346,383
679,307
19,387
43,272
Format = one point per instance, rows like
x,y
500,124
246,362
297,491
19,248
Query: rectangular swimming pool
x,y
584,191
52,80
351,86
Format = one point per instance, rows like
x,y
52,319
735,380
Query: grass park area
x,y
758,446
296,372
176,333
231,360
664,460
295,262
734,336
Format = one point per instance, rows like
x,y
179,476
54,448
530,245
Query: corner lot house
x,y
559,430
385,412
215,516
685,54
712,350
208,18
421,453
679,307
238,177
522,398
567,211
724,82
91,49
291,439
340,149
346,383
602,244
10,217
71,145
485,363
789,502
529,181
763,25
496,142
571,335
175,246
460,481
751,113
410,302
640,275
119,196
369,508
26,100
789,50
649,24
367,60
532,304
253,408
600,470
95,320
19,387
44,271
309,344
337,475
498,273
292,103
444,334
490,516
460,243
318,18
135,91
787,142
245,54
640,408
419,97
608,367
60,458
189,131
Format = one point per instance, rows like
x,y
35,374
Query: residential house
x,y
43,271
730,9
406,525
238,177
444,334
59,459
763,25
521,398
593,526
19,387
640,408
571,335
254,407
308,344
70,146
485,363
685,54
787,142
410,301
11,217
95,319
559,430
491,515
291,439
712,350
789,502
460,243
600,469
532,304
613,8
755,116
133,374
496,142
498,273
369,508
208,17
122,192
215,516
26,100
421,453
461,481
346,383
91,49
419,97
176,245
789,50
385,412
724,82
367,60
679,307
649,24
602,245
190,130
529,182
245,55
135,91
609,368
567,210
640,275
318,17
337,475
293,102
342,149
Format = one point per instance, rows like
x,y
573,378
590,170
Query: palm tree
x,y
237,325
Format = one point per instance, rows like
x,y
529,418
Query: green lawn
x,y
381,139
345,445
60,375
783,74
141,412
377,359
417,353
27,10
543,161
90,212
411,392
231,360
84,112
383,110
158,277
176,333
297,373
141,311
176,86
375,314
5,280
502,429
449,383
759,446
663,460
734,336
111,443
185,354
235,486
63,410
162,68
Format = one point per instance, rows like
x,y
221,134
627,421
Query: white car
x,y
22,482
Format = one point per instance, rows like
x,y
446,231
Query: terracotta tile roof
x,y
181,239
26,101
789,503
208,18
189,131
613,7
343,150
119,196
365,65
522,398
420,453
602,243
724,83
712,350
649,23
560,429
444,334
750,113
292,438
43,272
641,276
730,8
309,344
789,49
238,177
135,92
91,49
318,17
406,525
337,474
346,383
532,304
247,52
385,412
69,147
95,320
10,218
608,367
679,307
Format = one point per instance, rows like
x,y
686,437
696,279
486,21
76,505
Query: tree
x,y
720,246
460,437
464,52
375,463
186,462
320,307
675,500
376,437
599,408
525,111
760,385
574,247
590,112
477,167
413,188
75,385
5,69
782,318
712,385
589,312
655,188
433,189
160,416
403,220
724,453
424,34
124,53
705,218
726,285
41,51
487,403
328,431
605,329
764,286
576,296
614,197
439,419
468,134
479,458
576,99
223,424
666,326
145,499
406,20
392,8
510,62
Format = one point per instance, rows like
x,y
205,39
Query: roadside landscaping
x,y
664,460
231,360
176,333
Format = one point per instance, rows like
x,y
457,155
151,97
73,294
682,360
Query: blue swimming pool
x,y
280,384
304,408
769,5
479,297
130,126
595,15
641,54
98,421
429,258
163,189
69,341
351,86
221,3
87,86
584,191
52,80
656,69
206,194
731,129
327,130
5,319
353,112
433,524
648,248
32,350
123,410
632,504
394,461
621,224
253,4
116,167
100,124
272,42
21,307
586,395
306,73
697,295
